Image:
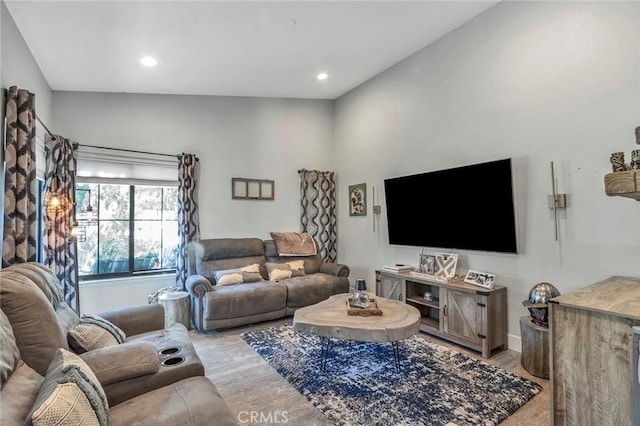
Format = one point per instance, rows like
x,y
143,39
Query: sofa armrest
x,y
337,269
117,363
198,286
137,319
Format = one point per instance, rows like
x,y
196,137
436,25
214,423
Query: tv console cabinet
x,y
471,316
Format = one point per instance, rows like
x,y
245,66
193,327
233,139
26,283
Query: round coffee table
x,y
329,319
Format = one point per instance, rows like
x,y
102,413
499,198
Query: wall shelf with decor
x,y
623,184
465,314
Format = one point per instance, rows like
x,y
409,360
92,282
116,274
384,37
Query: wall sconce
x,y
556,201
54,202
375,210
77,233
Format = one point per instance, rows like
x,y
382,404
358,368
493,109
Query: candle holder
x,y
360,296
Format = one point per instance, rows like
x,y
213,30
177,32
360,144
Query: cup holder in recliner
x,y
169,351
170,362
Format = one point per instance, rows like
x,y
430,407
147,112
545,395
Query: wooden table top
x,y
329,318
616,295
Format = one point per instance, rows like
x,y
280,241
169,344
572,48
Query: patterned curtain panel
x,y
188,219
318,210
60,180
19,233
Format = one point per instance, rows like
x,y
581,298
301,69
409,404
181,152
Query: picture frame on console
x,y
445,265
481,279
358,199
427,264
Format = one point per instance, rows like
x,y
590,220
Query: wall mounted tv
x,y
466,208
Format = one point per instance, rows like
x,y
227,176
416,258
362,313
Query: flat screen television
x,y
466,208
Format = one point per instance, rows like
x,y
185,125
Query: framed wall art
x,y
481,279
427,264
358,200
251,189
446,264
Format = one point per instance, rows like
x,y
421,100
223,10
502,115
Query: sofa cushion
x,y
35,323
9,355
18,395
43,277
310,289
59,402
244,300
193,401
245,274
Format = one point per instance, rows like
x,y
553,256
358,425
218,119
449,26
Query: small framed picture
x,y
427,264
358,200
446,265
481,279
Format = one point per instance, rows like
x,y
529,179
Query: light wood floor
x,y
248,384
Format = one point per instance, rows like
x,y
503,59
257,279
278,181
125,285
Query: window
x,y
130,229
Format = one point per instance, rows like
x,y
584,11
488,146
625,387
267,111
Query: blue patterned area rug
x,y
360,385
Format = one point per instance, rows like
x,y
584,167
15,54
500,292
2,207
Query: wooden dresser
x,y
591,359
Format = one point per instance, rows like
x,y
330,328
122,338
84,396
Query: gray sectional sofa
x,y
217,306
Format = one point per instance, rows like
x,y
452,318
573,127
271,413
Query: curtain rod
x,y
113,149
43,125
129,150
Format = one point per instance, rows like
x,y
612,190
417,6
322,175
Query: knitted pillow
x,y
94,332
70,394
279,271
297,267
246,274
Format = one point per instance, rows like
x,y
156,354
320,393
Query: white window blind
x,y
99,165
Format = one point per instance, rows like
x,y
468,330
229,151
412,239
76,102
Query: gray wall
x,y
534,81
260,138
18,68
233,137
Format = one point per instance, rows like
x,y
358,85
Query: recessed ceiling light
x,y
322,76
149,61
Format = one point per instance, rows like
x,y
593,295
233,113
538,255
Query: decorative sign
x,y
446,264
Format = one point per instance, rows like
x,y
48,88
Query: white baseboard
x,y
514,343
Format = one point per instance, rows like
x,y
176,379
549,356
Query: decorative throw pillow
x,y
278,271
246,274
297,268
67,405
94,332
70,394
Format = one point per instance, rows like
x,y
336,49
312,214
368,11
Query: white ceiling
x,y
234,48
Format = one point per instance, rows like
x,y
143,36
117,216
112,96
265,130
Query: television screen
x,y
466,208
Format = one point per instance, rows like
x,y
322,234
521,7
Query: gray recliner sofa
x,y
192,401
31,299
216,307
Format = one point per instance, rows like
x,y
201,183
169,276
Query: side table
x,y
176,308
535,348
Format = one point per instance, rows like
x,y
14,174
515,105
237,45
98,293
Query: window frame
x,y
131,218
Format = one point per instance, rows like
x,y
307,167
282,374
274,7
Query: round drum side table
x,y
176,308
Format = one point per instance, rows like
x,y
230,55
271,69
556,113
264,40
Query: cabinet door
x,y
462,315
389,287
